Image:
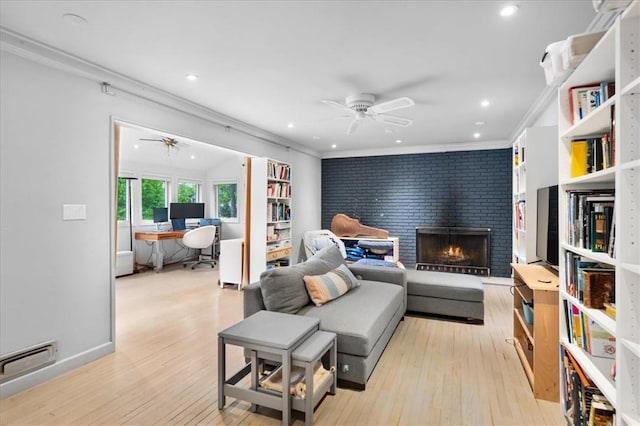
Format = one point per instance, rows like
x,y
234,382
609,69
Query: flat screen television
x,y
186,210
547,242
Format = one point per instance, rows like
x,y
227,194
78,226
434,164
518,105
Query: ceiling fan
x,y
363,106
169,143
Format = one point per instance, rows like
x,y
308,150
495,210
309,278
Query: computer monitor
x,y
160,214
186,210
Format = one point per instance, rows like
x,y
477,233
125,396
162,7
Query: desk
x,y
155,237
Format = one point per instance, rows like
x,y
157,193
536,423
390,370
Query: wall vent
x,y
27,360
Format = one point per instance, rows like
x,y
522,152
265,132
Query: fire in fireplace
x,y
453,249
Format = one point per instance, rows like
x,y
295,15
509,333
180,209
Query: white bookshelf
x,y
616,57
268,230
534,166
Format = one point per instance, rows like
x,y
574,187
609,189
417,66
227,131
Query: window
x,y
188,192
154,194
122,199
226,195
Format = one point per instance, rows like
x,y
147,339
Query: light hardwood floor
x,y
433,371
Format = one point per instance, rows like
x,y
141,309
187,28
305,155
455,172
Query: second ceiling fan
x,y
363,106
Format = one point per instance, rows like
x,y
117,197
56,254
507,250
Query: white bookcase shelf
x,y
534,166
268,227
616,57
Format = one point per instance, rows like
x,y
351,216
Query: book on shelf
x,y
610,309
578,390
580,231
575,267
278,171
602,412
599,287
578,158
600,343
587,98
592,154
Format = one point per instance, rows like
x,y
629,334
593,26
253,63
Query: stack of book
x,y
590,155
584,404
585,99
591,218
592,283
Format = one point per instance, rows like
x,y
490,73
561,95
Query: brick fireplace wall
x,y
400,192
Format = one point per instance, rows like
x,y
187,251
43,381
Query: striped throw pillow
x,y
329,286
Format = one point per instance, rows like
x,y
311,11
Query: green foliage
x,y
187,192
227,200
154,194
122,199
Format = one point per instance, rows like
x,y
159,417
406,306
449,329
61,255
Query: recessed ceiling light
x,y
388,131
485,103
136,146
192,77
476,135
398,140
290,125
479,123
334,146
509,10
193,157
316,137
72,18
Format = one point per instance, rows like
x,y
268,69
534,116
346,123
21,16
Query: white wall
x,y
56,277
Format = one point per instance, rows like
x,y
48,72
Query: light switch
x,y
74,211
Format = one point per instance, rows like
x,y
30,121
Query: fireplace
x,y
453,249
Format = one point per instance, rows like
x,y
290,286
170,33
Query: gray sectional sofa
x,y
364,318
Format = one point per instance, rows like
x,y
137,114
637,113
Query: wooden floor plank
x,y
434,371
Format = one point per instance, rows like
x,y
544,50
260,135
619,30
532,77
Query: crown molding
x,y
419,149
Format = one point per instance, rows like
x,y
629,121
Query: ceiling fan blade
x,y
353,126
336,105
392,105
391,119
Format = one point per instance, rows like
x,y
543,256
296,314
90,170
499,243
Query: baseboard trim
x,y
498,281
35,378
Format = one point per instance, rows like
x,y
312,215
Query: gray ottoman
x,y
444,293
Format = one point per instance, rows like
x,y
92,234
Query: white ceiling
x,y
188,154
270,63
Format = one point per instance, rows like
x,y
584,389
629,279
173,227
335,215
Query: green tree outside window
x,y
188,192
227,200
122,199
154,194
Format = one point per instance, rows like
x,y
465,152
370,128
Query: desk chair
x,y
200,238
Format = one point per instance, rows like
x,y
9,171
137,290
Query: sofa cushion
x,y
331,255
283,289
445,285
360,316
326,287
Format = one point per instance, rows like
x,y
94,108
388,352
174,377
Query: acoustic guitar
x,y
345,226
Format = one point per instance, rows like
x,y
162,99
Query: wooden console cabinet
x,y
537,342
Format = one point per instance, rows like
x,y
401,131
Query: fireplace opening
x,y
453,249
